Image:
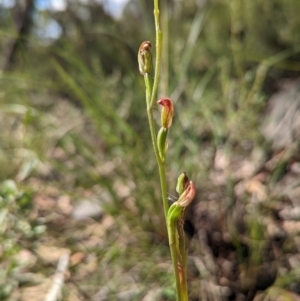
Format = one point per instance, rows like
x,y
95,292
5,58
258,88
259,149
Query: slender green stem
x,y
172,233
161,165
183,256
183,284
158,46
148,85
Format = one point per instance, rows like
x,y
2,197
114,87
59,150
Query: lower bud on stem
x,y
162,143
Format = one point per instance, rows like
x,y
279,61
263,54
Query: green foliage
x,y
14,228
72,111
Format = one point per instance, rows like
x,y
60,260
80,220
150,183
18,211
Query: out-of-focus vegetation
x,y
73,122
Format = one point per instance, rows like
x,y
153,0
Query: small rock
x,y
290,213
281,125
87,209
295,168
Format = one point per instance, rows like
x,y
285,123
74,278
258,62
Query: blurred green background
x,y
74,129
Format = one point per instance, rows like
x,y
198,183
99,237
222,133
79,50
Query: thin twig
x,y
55,290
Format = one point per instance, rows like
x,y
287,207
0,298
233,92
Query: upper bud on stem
x,y
182,183
167,112
145,58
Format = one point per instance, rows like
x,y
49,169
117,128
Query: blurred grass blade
x,y
103,113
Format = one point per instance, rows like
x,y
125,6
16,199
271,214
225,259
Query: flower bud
x,y
187,196
145,58
182,183
167,112
162,143
174,211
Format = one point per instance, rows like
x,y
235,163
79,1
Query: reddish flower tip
x,y
188,195
167,112
165,102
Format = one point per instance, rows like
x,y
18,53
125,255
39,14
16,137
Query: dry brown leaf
x,y
122,189
87,268
35,293
77,258
64,204
99,229
221,161
25,258
43,202
291,227
256,188
245,170
50,254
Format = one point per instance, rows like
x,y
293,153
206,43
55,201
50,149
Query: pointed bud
x,y
187,196
145,58
182,183
162,143
167,112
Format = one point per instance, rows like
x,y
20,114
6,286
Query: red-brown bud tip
x,y
145,58
145,45
188,195
167,112
165,102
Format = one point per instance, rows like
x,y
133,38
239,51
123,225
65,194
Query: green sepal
x,y
147,62
162,143
174,212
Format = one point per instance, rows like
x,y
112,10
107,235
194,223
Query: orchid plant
x,y
174,214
